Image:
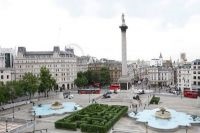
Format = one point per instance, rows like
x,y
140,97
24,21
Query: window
x,y
198,63
198,72
198,67
194,83
194,67
1,76
195,63
7,76
198,77
194,72
194,77
198,83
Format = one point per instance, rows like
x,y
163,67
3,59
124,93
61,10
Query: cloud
x,y
155,26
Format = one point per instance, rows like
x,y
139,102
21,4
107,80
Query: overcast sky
x,y
91,27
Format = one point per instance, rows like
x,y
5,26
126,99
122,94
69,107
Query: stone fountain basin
x,y
46,109
161,115
177,119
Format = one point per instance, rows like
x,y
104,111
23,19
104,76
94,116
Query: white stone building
x,y
137,70
132,68
6,64
157,62
160,76
195,67
6,74
184,75
62,64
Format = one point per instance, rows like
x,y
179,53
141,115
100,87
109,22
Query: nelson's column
x,y
124,79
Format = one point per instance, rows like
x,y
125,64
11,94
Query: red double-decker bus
x,y
115,87
190,93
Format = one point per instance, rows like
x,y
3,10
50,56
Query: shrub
x,y
93,118
154,100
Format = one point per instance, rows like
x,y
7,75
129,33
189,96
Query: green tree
x,y
104,76
89,75
95,77
11,90
10,86
47,82
1,83
30,84
19,90
4,94
16,87
81,80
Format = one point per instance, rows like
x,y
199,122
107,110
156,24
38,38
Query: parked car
x,y
141,92
106,96
70,96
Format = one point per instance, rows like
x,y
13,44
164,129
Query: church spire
x,y
160,55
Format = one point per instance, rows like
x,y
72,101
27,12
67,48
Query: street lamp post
x,y
13,109
89,94
6,125
146,123
34,122
186,129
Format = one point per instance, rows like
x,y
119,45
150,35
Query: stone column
x,y
124,80
124,55
123,28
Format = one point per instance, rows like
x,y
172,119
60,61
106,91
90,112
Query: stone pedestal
x,y
124,83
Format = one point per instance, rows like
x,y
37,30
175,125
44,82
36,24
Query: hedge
x,y
154,100
93,118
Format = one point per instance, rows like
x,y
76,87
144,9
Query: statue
x,y
123,20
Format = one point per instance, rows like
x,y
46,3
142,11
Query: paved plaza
x,y
10,126
125,124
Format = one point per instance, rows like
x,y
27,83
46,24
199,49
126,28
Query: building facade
x,y
184,75
83,62
157,62
195,82
6,64
115,68
61,64
160,76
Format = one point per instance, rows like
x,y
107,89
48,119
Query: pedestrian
x,y
93,101
132,105
136,109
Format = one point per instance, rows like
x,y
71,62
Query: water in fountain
x,y
167,118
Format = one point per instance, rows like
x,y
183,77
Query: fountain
x,y
163,114
56,108
56,105
164,119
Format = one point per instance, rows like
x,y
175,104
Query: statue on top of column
x,y
123,20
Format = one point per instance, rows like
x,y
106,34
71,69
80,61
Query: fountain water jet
x,y
163,114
